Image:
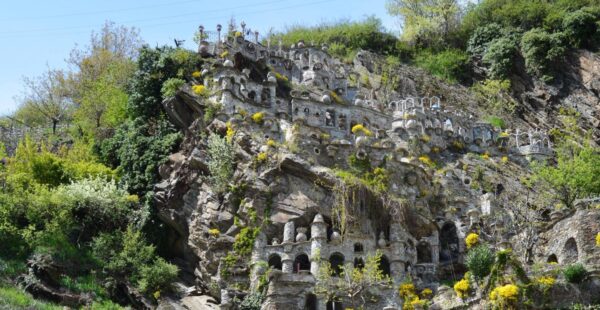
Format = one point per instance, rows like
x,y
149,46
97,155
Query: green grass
x,y
13,298
83,284
12,268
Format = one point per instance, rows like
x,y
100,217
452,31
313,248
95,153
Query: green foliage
x,y
482,37
575,273
479,261
450,65
137,149
496,122
171,86
542,50
157,275
575,174
500,56
580,27
13,298
220,161
494,96
252,301
344,38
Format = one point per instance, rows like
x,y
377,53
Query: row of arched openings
x,y
336,260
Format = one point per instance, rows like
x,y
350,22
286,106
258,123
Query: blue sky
x,y
37,34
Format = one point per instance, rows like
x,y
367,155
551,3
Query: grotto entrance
x,y
571,252
449,250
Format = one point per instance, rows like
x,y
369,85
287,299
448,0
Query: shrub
x,y
406,289
215,232
471,240
546,281
482,37
504,295
542,51
359,128
580,27
450,65
157,276
598,239
462,288
252,301
500,56
258,117
199,90
220,162
171,86
261,157
575,273
494,96
479,261
196,74
496,122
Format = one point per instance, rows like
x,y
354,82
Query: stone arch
x,y
384,266
275,262
423,253
358,247
449,249
359,263
571,252
552,259
301,263
337,263
311,302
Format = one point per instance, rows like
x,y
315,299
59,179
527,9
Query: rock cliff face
x,y
335,163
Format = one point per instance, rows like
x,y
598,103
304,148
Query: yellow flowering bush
x,y
504,134
598,239
426,293
271,143
199,90
546,281
471,240
505,294
224,54
214,232
361,129
462,288
237,34
230,132
426,160
504,159
261,157
133,198
196,74
406,289
417,302
258,117
485,156
425,138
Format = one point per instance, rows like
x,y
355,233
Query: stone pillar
x,y
318,240
287,263
398,255
258,255
288,232
434,241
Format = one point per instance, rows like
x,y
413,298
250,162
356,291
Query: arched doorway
x,y
311,302
384,266
449,250
301,263
337,263
423,253
571,252
275,262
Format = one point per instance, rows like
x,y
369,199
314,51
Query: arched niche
x,y
384,266
311,302
423,253
334,305
571,252
449,250
359,263
301,263
337,263
552,259
275,262
358,247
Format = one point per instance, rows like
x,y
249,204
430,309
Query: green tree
x,y
542,50
426,22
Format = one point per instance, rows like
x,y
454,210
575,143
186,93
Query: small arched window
x,y
358,247
275,262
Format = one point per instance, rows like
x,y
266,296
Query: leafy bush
x,y
252,302
575,273
450,65
482,37
500,57
220,161
494,96
479,261
541,51
157,275
171,86
580,27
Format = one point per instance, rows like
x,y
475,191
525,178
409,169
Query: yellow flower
x,y
261,157
426,292
156,295
336,98
224,54
230,132
271,143
598,239
199,90
407,289
258,117
416,301
462,288
426,160
508,292
471,240
360,128
504,159
132,198
237,34
485,156
214,232
504,134
196,74
546,281
425,138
